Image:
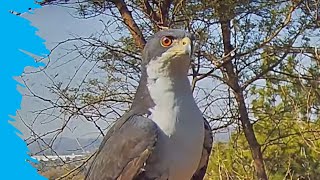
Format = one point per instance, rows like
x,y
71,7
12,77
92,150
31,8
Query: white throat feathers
x,y
168,85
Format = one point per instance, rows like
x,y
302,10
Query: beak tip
x,y
189,50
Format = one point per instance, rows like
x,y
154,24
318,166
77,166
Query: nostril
x,y
184,43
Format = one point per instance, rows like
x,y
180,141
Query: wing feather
x,y
207,146
124,150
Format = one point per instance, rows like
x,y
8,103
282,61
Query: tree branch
x,y
130,23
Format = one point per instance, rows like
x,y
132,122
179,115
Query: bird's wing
x,y
124,150
207,146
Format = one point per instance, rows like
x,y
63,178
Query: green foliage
x,y
286,123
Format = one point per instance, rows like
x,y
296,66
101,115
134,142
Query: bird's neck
x,y
142,100
168,78
172,98
163,89
162,79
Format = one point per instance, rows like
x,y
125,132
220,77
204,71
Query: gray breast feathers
x,y
127,146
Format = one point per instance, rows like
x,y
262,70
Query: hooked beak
x,y
186,46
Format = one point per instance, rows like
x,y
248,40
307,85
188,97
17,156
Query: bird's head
x,y
168,52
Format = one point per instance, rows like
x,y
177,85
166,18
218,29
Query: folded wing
x,y
207,146
124,150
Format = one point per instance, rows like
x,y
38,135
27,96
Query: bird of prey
x,y
164,135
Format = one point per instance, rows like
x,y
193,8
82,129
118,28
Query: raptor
x,y
164,135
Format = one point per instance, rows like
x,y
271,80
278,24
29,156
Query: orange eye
x,y
166,41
